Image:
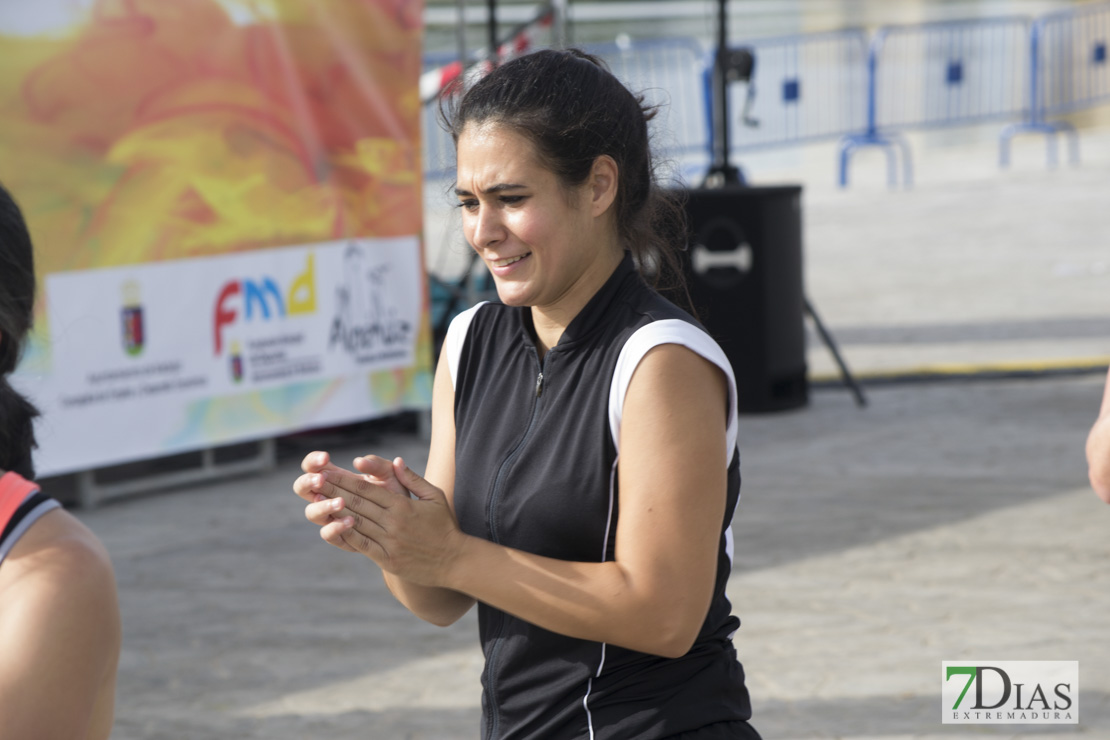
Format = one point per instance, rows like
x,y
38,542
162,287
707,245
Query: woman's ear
x,y
603,184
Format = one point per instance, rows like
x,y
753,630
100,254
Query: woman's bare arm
x,y
655,595
59,633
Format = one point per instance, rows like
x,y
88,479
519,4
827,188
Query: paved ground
x,y
946,521
972,266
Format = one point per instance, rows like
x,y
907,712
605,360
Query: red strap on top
x,y
14,489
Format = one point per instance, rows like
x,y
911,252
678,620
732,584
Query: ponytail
x,y
17,431
17,300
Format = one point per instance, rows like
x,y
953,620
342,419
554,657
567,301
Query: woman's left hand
x,y
414,538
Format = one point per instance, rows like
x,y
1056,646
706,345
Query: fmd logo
x,y
263,299
1034,692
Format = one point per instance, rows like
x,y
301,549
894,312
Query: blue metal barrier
x,y
1070,70
940,74
804,88
810,87
951,73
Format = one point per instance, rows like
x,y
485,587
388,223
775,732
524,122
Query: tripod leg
x,y
828,340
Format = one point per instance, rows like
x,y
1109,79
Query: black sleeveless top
x,y
536,469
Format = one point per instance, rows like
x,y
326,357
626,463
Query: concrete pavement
x,y
946,521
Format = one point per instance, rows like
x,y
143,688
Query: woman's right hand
x,y
327,505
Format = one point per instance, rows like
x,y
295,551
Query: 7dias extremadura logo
x,y
1010,692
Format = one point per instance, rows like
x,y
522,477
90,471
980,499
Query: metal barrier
x,y
940,74
1073,66
439,150
804,88
665,71
832,85
443,70
945,74
1069,71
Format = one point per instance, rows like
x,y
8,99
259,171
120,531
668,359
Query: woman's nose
x,y
487,227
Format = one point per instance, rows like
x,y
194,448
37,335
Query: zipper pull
x,y
539,385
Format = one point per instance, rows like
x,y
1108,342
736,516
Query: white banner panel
x,y
165,356
225,203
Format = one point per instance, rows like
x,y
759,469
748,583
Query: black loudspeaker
x,y
743,267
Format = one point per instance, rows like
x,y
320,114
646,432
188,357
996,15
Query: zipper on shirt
x,y
503,470
498,481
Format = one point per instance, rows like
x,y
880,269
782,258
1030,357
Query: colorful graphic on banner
x,y
178,138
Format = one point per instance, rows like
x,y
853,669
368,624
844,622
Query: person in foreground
x,y
1098,448
583,468
59,615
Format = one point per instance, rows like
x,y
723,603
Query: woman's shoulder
x,y
656,306
62,551
65,623
484,313
488,320
669,332
60,540
654,318
671,335
62,578
13,488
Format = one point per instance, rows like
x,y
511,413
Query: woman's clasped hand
x,y
386,512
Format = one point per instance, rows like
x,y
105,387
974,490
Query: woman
x,y
59,617
583,467
1098,448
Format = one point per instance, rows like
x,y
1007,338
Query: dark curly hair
x,y
573,110
17,299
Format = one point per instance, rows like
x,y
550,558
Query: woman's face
x,y
545,247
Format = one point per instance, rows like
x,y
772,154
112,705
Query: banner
x,y
224,197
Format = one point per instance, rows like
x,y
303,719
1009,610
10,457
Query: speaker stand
x,y
845,373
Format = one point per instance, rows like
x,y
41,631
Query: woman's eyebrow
x,y
493,189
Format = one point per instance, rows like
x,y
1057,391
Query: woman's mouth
x,y
509,260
